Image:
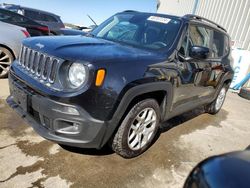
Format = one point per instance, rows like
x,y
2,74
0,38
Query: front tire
x,y
216,105
138,129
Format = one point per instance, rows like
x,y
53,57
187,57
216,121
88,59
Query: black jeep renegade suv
x,y
116,85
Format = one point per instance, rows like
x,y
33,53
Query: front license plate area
x,y
20,97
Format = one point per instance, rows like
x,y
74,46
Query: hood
x,y
83,48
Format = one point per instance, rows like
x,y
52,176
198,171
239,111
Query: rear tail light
x,y
26,33
43,28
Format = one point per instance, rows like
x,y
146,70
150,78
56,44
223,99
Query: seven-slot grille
x,y
39,65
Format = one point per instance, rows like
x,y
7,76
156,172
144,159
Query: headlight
x,y
77,74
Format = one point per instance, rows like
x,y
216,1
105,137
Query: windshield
x,y
146,31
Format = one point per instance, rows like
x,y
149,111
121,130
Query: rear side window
x,y
32,14
220,44
49,18
38,16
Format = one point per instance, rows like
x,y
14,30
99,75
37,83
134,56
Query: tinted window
x,y
32,14
141,30
38,16
196,36
49,18
220,44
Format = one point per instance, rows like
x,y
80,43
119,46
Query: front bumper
x,y
59,122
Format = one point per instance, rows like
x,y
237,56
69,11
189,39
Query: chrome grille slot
x,y
39,65
20,56
24,56
35,61
27,64
53,69
46,67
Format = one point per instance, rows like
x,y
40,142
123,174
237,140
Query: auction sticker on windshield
x,y
159,19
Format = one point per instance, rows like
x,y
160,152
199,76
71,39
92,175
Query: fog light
x,y
66,127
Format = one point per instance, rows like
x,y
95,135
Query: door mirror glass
x,y
199,52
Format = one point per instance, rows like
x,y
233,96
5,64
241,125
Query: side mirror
x,y
199,52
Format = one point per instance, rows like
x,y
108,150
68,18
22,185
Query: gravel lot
x,y
27,160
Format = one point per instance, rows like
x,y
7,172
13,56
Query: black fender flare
x,y
127,98
226,77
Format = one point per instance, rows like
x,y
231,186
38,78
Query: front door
x,y
194,75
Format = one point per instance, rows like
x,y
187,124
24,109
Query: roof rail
x,y
195,17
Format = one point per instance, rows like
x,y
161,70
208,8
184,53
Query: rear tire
x,y
6,58
138,129
215,106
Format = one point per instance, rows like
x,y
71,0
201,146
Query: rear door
x,y
219,51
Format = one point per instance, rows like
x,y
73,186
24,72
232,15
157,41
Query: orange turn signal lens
x,y
100,77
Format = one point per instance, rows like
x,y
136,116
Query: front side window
x,y
141,30
196,36
200,36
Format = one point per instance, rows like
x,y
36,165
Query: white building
x,y
233,15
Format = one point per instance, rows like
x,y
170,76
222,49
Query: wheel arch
x,y
160,91
228,82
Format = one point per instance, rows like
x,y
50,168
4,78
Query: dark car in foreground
x,y
52,21
116,86
231,170
34,28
